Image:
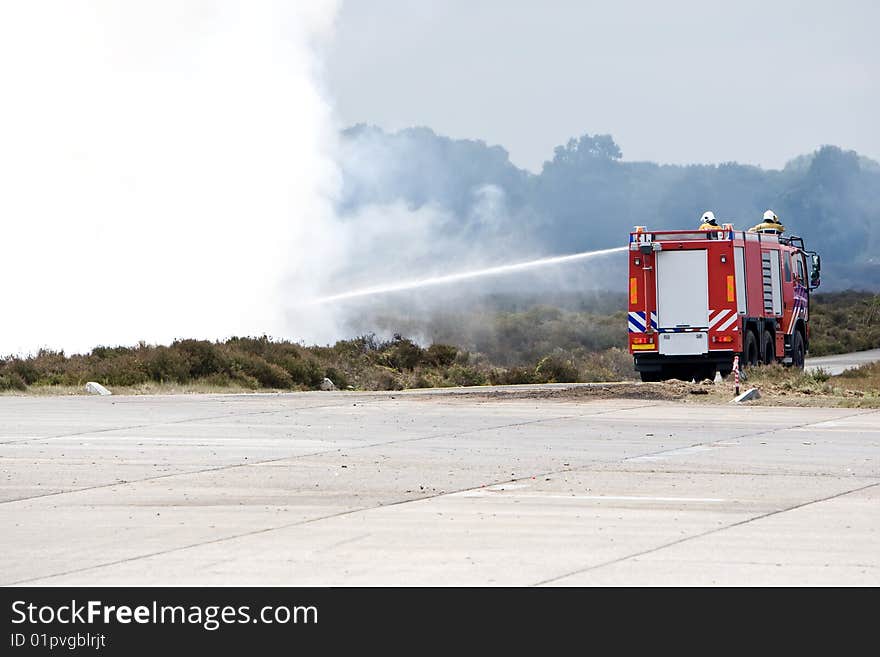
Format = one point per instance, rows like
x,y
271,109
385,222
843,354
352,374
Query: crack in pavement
x,y
181,421
290,457
346,512
709,532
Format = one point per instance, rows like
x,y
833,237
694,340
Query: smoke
x,y
162,167
447,279
173,169
414,206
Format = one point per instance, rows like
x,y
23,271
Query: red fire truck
x,y
699,298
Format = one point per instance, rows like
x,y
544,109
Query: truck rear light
x,y
722,338
643,339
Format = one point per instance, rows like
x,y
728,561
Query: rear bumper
x,y
655,362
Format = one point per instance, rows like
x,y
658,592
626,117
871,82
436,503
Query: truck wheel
x,y
750,349
651,377
797,350
769,349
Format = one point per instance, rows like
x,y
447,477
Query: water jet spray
x,y
462,276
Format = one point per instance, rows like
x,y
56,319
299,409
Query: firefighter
x,y
707,221
770,224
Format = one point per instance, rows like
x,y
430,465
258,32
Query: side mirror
x,y
814,275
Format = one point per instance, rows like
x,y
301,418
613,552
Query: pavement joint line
x,y
264,530
347,512
492,491
753,434
442,435
298,456
366,399
737,473
170,422
709,532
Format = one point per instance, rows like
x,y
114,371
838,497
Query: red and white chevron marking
x,y
721,320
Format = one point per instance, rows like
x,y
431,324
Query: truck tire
x,y
651,377
750,349
798,350
768,349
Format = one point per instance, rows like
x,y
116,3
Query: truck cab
x,y
697,298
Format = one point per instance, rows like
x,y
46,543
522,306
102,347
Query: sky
x,y
673,81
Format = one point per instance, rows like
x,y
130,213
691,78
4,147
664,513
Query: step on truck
x,y
697,298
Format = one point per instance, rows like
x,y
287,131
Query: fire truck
x,y
699,298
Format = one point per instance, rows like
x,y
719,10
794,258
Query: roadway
x,y
837,364
415,488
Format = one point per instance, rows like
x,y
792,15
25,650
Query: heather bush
x,y
556,369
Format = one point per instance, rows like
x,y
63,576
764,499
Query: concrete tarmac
x,y
415,488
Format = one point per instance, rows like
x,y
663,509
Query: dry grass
x,y
780,386
149,388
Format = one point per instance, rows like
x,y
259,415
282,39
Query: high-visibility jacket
x,y
767,226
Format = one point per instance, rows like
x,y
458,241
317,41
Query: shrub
x,y
121,370
554,369
403,354
360,345
337,377
421,381
11,381
165,364
820,374
110,352
305,372
24,370
462,375
440,355
385,381
239,377
204,358
512,376
265,373
55,368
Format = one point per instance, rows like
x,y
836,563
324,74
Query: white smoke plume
x,y
162,165
169,169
